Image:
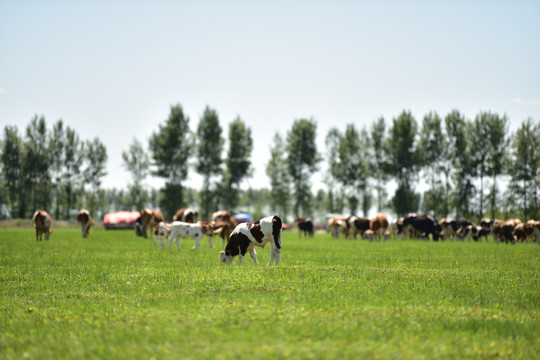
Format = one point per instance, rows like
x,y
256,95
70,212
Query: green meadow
x,y
113,295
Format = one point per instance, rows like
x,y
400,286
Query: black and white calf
x,y
246,236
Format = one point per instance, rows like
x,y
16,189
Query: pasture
x,y
113,295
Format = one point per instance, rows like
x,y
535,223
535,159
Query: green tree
x,y
403,162
137,162
12,160
431,145
330,178
524,168
459,148
171,149
302,160
57,154
237,164
95,157
380,163
72,177
497,158
280,181
209,147
479,140
36,164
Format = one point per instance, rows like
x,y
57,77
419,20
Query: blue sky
x,y
112,69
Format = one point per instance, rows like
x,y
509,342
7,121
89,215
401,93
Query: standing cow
x,y
378,225
186,215
305,225
42,222
246,236
85,220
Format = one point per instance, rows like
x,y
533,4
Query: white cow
x,y
185,230
246,236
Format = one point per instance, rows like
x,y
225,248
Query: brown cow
x,y
85,220
378,225
42,222
224,215
337,225
186,215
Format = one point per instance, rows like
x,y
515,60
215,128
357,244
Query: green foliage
x,y
96,160
302,160
379,163
209,148
280,180
137,162
12,174
115,296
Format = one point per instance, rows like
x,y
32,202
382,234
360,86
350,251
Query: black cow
x,y
422,225
357,225
305,225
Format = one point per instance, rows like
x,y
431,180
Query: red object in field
x,y
121,219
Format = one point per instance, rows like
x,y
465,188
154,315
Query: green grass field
x,y
113,295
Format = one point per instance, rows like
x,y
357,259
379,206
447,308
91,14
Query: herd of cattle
x,y
237,239
508,231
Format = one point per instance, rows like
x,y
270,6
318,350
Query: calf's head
x,y
225,257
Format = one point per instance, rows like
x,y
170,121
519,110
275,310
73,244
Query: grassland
x,y
113,295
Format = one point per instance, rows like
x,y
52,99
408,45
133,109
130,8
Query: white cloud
x,y
520,101
2,91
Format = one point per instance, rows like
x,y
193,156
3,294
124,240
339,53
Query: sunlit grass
x,y
113,295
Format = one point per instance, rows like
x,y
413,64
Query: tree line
x,y
470,168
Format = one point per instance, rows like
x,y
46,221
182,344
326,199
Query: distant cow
x,y
224,215
474,232
85,220
223,229
185,230
148,220
504,230
246,236
42,222
186,215
338,225
423,225
378,225
305,225
357,225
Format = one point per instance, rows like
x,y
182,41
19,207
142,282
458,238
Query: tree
x,y
137,162
431,146
525,168
459,148
403,161
72,177
237,164
209,147
36,164
302,159
12,160
334,196
171,149
497,158
280,180
380,163
95,158
479,134
57,153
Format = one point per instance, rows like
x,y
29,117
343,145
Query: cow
x,y
178,229
423,225
85,220
186,215
529,231
474,232
357,225
305,225
246,236
378,225
223,229
504,230
42,222
224,215
337,225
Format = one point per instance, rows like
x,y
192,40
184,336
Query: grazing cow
x,y
423,225
378,225
223,229
185,230
357,225
42,222
529,231
224,215
186,215
337,225
474,232
504,230
246,236
85,220
305,225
